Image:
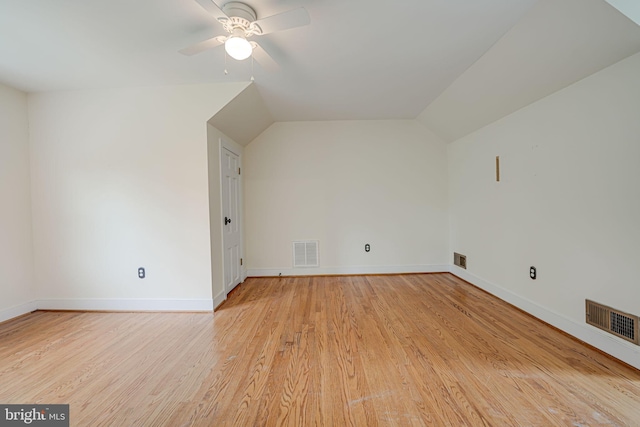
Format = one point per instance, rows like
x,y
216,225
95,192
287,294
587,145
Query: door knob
x,y
227,220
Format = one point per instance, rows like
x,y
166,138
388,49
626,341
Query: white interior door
x,y
231,218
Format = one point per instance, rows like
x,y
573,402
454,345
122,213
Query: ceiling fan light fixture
x,y
238,47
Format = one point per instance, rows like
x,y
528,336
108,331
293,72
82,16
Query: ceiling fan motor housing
x,y
241,16
236,9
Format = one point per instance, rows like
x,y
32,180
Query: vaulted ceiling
x,y
455,65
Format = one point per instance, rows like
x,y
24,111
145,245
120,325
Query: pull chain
x,y
252,79
225,63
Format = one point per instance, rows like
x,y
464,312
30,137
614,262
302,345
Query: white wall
x,y
568,203
16,250
119,182
346,183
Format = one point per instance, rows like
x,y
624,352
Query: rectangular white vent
x,y
305,253
613,321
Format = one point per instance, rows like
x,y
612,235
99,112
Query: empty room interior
x,y
377,213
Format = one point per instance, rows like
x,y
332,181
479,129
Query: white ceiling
x,y
359,59
630,8
554,45
457,65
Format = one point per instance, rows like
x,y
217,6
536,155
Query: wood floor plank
x,y
405,350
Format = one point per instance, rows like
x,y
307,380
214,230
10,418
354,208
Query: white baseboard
x,y
373,269
18,310
607,343
111,304
616,347
127,304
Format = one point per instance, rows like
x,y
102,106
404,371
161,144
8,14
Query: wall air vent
x,y
305,254
615,322
460,260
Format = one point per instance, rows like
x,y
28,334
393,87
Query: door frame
x,y
236,150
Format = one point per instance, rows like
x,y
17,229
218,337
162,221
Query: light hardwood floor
x,y
334,351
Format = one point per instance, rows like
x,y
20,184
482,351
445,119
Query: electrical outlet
x,y
533,272
141,273
367,247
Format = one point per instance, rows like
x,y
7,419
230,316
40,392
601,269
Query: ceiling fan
x,y
242,23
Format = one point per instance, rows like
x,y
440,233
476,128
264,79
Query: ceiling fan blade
x,y
263,58
213,9
203,45
284,21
